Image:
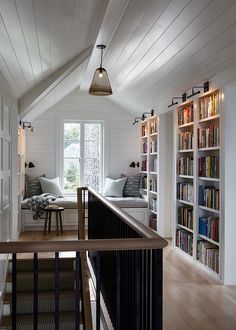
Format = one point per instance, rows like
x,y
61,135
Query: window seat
x,y
135,206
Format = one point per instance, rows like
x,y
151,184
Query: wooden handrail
x,y
83,245
140,228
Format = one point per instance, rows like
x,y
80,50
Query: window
x,y
82,163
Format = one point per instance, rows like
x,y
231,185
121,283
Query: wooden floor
x,y
193,299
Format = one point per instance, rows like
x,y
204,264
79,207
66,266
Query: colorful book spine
x,y
208,255
209,137
185,115
209,227
209,166
185,192
144,130
209,106
184,241
185,166
185,140
185,217
209,197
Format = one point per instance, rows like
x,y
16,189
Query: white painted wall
x,y
165,174
121,137
230,184
8,174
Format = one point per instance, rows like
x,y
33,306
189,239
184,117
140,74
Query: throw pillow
x,y
132,185
32,186
114,188
51,186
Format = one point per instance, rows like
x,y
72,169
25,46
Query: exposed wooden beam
x,y
51,90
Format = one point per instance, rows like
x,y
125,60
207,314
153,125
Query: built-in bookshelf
x,y
149,167
198,202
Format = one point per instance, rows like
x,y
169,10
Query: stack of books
x,y
209,106
209,137
185,192
184,241
208,255
185,115
209,166
185,140
209,227
185,217
209,197
185,166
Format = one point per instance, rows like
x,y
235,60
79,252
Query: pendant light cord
x,y
101,57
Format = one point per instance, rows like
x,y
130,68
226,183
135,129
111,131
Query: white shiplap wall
x,y
121,137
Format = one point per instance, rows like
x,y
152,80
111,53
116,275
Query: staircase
x,y
46,295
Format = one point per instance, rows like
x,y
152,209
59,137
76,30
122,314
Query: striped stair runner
x,y
46,296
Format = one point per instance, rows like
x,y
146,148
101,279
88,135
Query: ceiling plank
x,y
54,88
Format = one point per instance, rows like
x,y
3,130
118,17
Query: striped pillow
x,y
32,186
132,186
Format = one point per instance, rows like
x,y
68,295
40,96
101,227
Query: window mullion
x,y
82,155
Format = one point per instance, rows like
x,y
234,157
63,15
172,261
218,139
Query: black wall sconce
x,y
29,165
182,98
205,87
147,113
26,124
133,164
136,120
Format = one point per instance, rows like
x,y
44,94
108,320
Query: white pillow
x,y
51,186
114,188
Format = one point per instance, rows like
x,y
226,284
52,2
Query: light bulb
x,y
100,75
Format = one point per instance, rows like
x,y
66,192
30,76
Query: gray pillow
x,y
114,188
32,186
132,185
51,186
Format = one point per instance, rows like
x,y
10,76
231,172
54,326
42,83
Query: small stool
x,y
58,211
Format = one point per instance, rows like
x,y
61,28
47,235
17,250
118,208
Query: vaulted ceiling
x,y
155,48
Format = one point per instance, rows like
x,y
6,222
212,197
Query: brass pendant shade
x,y
100,85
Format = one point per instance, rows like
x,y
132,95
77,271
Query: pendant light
x,y
100,85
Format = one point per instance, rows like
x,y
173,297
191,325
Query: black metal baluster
x,y
98,289
14,278
35,291
77,291
57,290
149,289
138,288
157,278
118,290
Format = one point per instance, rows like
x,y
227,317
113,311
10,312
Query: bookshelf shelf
x,y
149,166
209,240
209,118
203,178
186,176
186,150
209,149
186,125
208,209
186,228
185,202
198,178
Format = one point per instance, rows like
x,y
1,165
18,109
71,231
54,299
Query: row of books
x,y
184,240
209,137
153,204
144,165
153,164
153,185
209,227
209,166
185,192
145,148
185,217
185,140
153,146
185,115
208,255
144,130
144,182
185,166
153,126
209,197
209,106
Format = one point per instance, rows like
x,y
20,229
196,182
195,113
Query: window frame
x,y
61,151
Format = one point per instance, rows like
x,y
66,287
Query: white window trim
x,y
60,149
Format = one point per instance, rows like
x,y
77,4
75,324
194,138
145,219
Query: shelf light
x,y
182,98
205,88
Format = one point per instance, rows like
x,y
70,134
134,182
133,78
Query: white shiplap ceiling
x,y
155,48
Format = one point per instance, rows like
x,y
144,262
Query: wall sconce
x,y
133,164
29,165
147,113
26,124
183,98
136,120
205,87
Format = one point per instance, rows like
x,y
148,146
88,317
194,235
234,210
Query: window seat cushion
x,y
66,202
